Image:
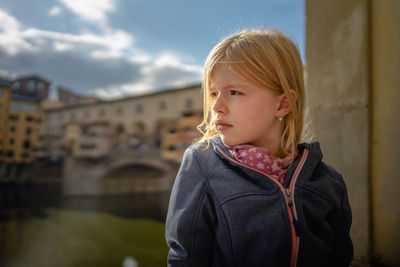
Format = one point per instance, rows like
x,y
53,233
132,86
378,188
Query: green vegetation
x,y
76,238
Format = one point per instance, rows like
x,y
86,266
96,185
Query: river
x,y
41,227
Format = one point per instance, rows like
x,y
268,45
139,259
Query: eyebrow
x,y
231,86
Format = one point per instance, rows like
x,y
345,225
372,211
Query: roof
x,y
152,93
32,77
4,83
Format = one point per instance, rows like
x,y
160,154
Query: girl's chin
x,y
229,142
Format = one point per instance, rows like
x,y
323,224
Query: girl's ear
x,y
285,107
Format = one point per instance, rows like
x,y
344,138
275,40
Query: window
x,y
23,107
163,105
13,117
102,112
172,130
31,86
88,146
29,118
10,153
28,130
25,155
72,116
12,129
12,141
16,85
41,86
139,108
189,103
120,111
27,144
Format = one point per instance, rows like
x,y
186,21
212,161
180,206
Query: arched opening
x,y
132,178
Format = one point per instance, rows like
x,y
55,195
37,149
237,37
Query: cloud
x,y
156,74
55,11
10,39
93,11
106,64
111,44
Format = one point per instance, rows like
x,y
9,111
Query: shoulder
x,y
320,177
200,151
194,161
321,169
327,170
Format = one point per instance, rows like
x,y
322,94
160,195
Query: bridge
x,y
118,173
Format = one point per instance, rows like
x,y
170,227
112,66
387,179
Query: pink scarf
x,y
261,159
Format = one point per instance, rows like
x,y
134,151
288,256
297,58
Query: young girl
x,y
248,194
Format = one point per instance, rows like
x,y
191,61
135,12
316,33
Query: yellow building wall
x,y
4,106
22,132
385,146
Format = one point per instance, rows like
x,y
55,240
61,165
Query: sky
x,y
117,48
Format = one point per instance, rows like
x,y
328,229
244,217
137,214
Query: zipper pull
x,y
290,204
289,196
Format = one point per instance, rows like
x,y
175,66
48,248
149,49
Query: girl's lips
x,y
221,126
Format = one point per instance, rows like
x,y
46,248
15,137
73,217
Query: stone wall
x,y
337,62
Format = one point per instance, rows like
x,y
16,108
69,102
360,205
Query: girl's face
x,y
244,113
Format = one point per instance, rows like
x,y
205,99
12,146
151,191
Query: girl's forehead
x,y
223,76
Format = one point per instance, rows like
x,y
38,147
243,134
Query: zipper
x,y
288,194
292,207
292,210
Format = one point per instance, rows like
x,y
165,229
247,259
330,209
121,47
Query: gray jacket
x,y
222,213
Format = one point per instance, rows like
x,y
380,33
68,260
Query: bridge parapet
x,y
118,173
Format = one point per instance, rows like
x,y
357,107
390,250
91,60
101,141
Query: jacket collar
x,y
314,156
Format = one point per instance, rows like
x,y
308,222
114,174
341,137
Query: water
x,y
41,227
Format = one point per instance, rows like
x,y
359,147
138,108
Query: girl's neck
x,y
273,148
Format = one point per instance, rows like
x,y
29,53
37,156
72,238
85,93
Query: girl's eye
x,y
213,94
234,92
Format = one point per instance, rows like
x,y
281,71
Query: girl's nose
x,y
219,106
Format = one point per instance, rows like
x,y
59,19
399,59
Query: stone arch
x,y
136,175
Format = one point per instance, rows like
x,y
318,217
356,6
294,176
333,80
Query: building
x,y
91,140
178,136
22,128
67,97
135,122
5,93
32,86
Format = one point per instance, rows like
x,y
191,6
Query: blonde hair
x,y
268,59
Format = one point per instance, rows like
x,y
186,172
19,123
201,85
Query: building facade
x,y
33,86
21,122
132,122
4,107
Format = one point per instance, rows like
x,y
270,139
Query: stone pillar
x,y
338,85
385,146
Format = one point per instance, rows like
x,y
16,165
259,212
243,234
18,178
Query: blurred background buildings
x,y
34,127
